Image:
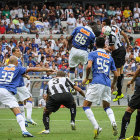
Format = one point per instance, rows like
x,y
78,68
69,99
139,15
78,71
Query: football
x,y
106,30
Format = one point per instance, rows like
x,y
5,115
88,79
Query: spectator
x,y
17,30
136,11
58,14
33,18
2,29
68,12
33,29
52,18
20,12
98,13
9,30
71,22
136,29
37,40
42,102
13,13
6,12
127,12
44,13
33,11
138,58
31,62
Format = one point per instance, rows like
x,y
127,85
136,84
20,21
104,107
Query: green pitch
x,y
60,125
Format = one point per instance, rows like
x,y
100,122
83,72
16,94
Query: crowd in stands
x,y
54,53
49,19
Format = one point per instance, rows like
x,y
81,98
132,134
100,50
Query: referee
x,y
132,106
58,94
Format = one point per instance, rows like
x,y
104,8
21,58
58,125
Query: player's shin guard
x,y
46,120
137,125
125,122
119,84
21,107
72,76
91,117
21,122
73,112
110,114
29,110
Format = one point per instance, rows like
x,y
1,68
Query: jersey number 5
x,y
102,64
80,39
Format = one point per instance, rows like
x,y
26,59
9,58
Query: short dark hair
x,y
100,42
95,28
60,74
14,49
107,21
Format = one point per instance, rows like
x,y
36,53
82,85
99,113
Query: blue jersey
x,y
82,38
44,86
21,78
10,77
101,66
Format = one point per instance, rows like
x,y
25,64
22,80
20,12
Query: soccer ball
x,y
106,30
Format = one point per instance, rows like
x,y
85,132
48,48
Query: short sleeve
x,y
113,67
112,40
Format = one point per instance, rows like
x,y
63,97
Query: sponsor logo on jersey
x,y
103,55
9,68
85,32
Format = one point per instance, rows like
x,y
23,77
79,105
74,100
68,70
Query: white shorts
x,y
77,56
7,98
98,92
42,92
23,93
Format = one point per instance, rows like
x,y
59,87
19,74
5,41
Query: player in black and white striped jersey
x,y
58,94
118,54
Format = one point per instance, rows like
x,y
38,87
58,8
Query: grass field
x,y
60,125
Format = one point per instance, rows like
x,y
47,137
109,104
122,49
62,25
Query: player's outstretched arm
x,y
26,76
37,69
114,80
79,90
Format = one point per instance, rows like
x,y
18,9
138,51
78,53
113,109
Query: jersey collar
x,y
102,50
11,65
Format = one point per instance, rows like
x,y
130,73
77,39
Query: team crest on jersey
x,y
85,32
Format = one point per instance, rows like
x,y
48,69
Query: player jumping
x,y
118,54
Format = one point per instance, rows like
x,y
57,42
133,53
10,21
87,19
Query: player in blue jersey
x,y
10,77
23,92
82,38
100,87
44,86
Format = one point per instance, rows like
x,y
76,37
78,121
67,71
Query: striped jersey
x,y
114,37
59,85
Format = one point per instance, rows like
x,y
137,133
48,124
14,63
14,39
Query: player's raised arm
x,y
126,39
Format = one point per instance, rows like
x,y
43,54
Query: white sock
x,y
110,114
21,122
29,109
72,76
21,107
91,117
